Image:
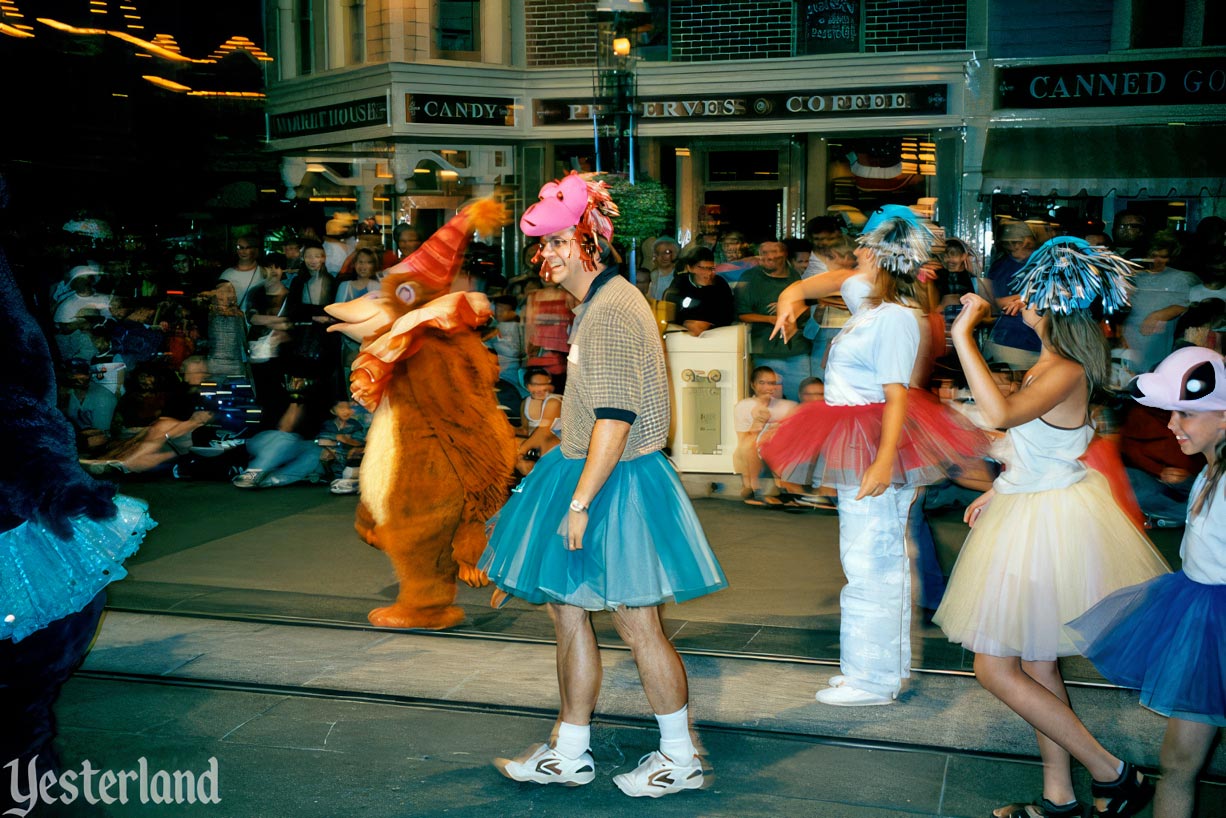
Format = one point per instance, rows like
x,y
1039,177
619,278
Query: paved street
x,y
240,635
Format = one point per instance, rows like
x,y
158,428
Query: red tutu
x,y
824,445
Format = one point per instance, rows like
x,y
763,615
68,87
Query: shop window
x,y
1214,32
1177,23
457,27
743,166
304,21
648,33
354,17
1157,23
867,172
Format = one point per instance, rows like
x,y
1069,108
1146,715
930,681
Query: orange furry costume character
x,y
439,453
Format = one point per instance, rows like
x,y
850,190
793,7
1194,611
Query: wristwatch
x,y
575,505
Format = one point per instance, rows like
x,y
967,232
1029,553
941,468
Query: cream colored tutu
x,y
1035,561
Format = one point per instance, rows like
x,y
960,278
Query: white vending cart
x,y
708,375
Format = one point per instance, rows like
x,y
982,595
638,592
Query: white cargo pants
x,y
875,623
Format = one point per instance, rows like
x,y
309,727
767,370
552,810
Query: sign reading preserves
x,y
1095,85
913,99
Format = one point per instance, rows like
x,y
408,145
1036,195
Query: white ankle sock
x,y
675,735
573,739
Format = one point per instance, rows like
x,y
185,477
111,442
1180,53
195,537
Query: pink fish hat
x,y
1192,379
577,200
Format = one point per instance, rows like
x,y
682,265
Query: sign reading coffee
x,y
358,114
453,110
916,99
1095,85
829,27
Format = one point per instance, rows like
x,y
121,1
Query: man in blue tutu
x,y
603,523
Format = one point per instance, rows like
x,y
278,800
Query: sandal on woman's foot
x,y
1126,795
750,498
1040,809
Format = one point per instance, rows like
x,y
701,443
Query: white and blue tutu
x,y
1166,638
44,578
643,544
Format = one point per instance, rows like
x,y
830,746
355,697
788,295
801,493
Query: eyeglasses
x,y
706,268
1130,226
243,247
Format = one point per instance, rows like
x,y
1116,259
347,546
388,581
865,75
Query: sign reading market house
x,y
361,113
453,110
911,99
1094,85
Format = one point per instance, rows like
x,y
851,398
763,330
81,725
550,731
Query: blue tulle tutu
x,y
44,578
1166,638
643,544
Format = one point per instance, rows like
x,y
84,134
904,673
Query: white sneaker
x,y
249,479
847,696
545,765
657,775
343,485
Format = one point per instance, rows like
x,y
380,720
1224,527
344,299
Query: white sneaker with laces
x,y
657,775
847,696
249,479
343,485
545,765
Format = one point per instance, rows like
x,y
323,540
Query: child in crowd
x,y
342,441
508,342
1165,636
541,408
754,419
1047,541
227,332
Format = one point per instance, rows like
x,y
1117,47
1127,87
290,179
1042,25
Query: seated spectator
x,y
88,405
702,300
133,340
178,328
287,454
167,436
81,281
342,442
1160,473
75,340
812,389
754,418
540,409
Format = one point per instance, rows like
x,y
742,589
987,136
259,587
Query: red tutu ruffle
x,y
824,445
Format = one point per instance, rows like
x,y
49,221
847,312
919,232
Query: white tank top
x,y
1041,457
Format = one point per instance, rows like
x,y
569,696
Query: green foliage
x,y
646,208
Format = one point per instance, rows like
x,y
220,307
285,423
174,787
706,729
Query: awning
x,y
1160,161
